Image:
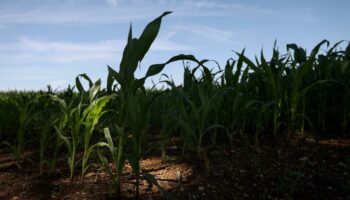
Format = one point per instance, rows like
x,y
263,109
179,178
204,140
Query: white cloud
x,y
80,12
168,45
70,16
231,7
28,50
40,45
207,32
113,3
113,11
34,63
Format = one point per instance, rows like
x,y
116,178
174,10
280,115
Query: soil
x,y
307,169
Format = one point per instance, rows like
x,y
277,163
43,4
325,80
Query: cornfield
x,y
293,93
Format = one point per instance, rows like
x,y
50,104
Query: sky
x,y
50,42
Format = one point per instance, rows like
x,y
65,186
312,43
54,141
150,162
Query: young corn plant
x,y
260,110
116,155
45,138
91,115
300,67
134,111
42,122
9,115
168,127
330,109
309,76
233,103
162,108
81,121
60,124
71,118
197,109
268,79
274,85
24,121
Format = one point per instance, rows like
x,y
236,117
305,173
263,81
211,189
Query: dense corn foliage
x,y
290,93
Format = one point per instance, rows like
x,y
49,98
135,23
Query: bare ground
x,y
305,170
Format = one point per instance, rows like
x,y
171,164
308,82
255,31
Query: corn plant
x,y
165,133
46,135
332,65
260,110
81,121
268,79
134,111
69,117
90,116
274,85
197,108
9,115
116,155
233,103
24,121
298,73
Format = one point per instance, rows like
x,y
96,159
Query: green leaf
x,y
113,74
246,60
156,68
148,36
86,77
110,80
94,89
65,140
78,83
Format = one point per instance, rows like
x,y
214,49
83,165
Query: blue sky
x,y
52,41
